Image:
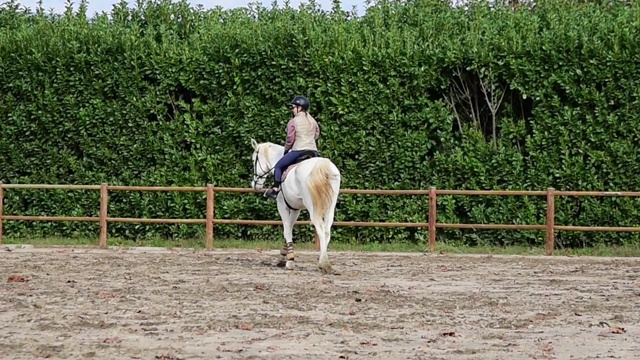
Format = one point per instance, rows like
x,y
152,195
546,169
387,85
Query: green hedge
x,y
409,95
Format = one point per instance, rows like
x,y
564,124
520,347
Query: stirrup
x,y
272,194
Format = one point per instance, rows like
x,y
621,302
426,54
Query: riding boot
x,y
271,193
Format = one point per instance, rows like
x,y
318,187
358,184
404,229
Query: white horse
x,y
312,184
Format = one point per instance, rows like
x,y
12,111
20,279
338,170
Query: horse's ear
x,y
254,144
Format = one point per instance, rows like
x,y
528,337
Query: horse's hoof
x,y
281,263
290,264
326,269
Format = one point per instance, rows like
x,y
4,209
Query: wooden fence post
x,y
432,218
551,215
1,206
210,208
104,202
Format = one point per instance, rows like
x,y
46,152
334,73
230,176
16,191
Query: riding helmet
x,y
301,101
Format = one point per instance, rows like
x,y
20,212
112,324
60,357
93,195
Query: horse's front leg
x,y
289,218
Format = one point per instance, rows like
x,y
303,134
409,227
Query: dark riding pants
x,y
286,161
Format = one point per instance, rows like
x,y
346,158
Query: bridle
x,y
257,163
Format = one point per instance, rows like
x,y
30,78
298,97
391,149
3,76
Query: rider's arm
x,y
291,135
317,131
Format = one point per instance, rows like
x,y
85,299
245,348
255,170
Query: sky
x,y
106,5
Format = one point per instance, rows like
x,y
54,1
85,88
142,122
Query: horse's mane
x,y
273,145
266,148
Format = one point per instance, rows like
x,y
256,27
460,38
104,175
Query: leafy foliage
x,y
413,94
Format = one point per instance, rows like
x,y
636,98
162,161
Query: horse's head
x,y
263,164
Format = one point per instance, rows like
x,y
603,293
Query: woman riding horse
x,y
302,133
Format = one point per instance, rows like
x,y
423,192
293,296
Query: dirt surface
x,y
106,304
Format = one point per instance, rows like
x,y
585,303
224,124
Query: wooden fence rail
x,y
431,224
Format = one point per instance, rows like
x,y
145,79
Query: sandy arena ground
x,y
112,304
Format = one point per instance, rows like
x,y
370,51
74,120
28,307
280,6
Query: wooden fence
x,y
550,227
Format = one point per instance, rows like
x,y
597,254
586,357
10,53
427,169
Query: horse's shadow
x,y
309,265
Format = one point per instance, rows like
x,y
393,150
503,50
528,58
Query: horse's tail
x,y
320,188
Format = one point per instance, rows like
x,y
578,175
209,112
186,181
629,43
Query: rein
x,y
257,163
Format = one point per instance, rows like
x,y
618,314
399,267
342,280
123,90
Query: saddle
x,y
306,155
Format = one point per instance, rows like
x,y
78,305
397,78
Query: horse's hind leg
x,y
323,229
319,226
